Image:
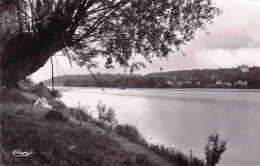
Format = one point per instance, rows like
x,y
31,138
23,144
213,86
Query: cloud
x,y
232,39
224,58
237,27
210,58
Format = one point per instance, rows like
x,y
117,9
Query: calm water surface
x,y
184,118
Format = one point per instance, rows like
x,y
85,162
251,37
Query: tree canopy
x,y
117,30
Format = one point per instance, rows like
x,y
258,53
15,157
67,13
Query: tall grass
x,y
81,113
14,96
173,155
132,134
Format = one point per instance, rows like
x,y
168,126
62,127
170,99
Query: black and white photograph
x,y
129,82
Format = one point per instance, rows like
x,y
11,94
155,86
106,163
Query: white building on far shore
x,y
239,82
219,82
244,68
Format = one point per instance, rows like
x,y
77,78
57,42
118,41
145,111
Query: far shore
x,y
171,89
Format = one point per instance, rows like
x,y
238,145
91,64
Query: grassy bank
x,y
71,136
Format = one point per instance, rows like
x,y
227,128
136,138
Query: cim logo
x,y
20,153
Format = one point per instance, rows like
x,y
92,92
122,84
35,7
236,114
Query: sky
x,y
234,40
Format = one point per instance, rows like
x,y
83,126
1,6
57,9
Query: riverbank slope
x,y
70,136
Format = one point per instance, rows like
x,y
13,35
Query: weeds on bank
x,y
106,120
81,113
106,116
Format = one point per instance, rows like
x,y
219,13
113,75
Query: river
x,y
184,118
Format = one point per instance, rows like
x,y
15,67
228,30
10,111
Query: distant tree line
x,y
205,78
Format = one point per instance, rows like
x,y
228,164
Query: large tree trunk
x,y
26,53
23,56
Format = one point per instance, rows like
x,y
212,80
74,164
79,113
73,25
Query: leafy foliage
x,y
116,30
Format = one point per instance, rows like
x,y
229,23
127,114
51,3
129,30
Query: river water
x,y
185,118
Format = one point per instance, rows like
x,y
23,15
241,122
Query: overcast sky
x,y
234,39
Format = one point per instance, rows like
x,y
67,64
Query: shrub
x,y
56,94
129,132
128,161
100,124
55,115
107,116
141,159
80,113
59,105
214,147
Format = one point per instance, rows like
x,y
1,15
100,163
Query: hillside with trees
x,y
206,78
